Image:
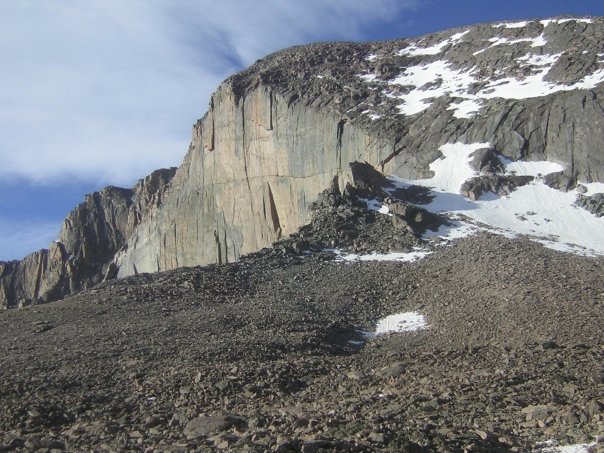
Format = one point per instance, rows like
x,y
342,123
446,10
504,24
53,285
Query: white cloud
x,y
107,90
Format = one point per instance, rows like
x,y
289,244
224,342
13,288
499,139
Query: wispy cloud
x,y
107,89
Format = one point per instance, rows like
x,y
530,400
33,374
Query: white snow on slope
x,y
512,25
401,322
377,206
401,257
535,42
538,41
438,78
550,447
593,188
546,215
547,22
411,321
531,168
414,50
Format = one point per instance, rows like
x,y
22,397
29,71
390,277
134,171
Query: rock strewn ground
x,y
255,356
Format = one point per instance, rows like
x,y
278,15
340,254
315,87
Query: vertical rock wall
x,y
255,165
90,237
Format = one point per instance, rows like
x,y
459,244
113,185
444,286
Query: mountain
x,y
279,133
391,246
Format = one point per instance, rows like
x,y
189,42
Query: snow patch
x,y
453,168
512,25
457,36
539,41
371,114
374,204
401,257
584,21
536,168
401,322
432,80
593,188
544,214
547,22
465,109
551,447
535,42
457,229
413,50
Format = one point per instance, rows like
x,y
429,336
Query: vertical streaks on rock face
x,y
91,236
271,159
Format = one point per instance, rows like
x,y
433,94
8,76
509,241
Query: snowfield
x,y
536,210
401,322
550,447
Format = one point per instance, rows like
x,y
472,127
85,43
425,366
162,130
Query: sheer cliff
x,y
287,128
90,237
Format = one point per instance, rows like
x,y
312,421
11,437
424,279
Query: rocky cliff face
x,y
279,133
287,128
91,235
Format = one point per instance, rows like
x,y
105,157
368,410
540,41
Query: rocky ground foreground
x,y
267,354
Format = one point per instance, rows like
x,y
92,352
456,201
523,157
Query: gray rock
x,y
498,184
593,203
207,425
279,96
485,161
560,180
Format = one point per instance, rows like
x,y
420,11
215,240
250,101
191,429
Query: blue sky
x,y
102,92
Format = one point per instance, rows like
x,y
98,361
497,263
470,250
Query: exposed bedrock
x,y
254,167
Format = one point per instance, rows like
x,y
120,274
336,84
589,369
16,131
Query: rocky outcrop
x,y
501,185
90,237
593,203
486,162
279,133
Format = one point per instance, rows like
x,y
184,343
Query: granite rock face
x,y
91,235
284,130
279,133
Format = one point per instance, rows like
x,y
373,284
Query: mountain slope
x,y
278,134
268,354
282,131
444,295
